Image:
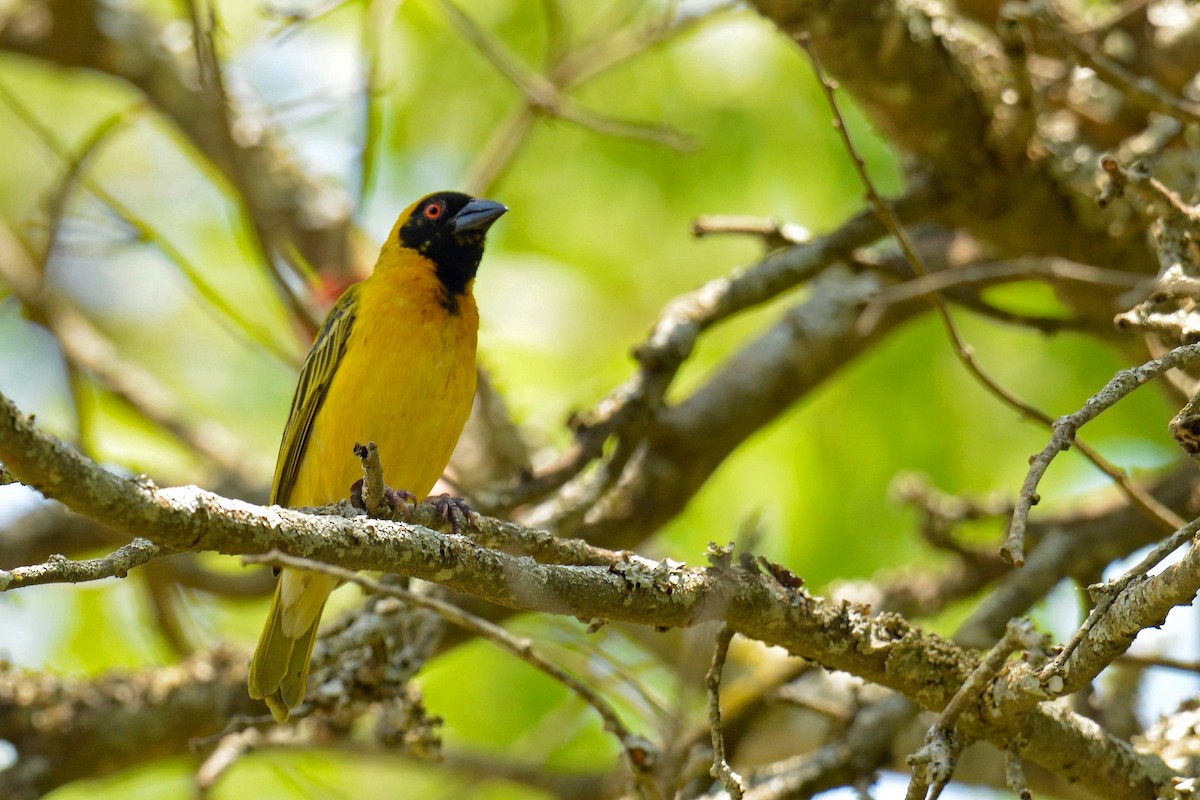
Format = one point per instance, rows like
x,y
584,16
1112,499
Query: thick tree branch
x,y
65,730
690,440
883,649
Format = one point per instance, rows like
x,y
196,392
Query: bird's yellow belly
x,y
404,383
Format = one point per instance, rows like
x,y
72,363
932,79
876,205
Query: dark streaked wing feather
x,y
315,377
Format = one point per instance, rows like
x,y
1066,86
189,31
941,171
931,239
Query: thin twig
x,y
59,569
1014,775
543,96
1106,594
774,232
1147,661
1064,429
373,487
594,58
567,70
229,749
934,763
720,769
984,273
965,352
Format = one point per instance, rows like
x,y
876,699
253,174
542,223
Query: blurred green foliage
x,y
597,241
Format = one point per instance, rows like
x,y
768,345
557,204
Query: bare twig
x,y
542,95
720,769
373,487
607,51
229,749
547,94
1014,775
62,570
1064,429
1048,270
774,232
934,763
1145,661
1138,612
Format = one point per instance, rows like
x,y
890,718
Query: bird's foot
x,y
397,501
454,510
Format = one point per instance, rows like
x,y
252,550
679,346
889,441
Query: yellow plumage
x,y
394,363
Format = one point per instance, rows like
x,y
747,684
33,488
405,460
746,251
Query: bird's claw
x,y
398,499
454,510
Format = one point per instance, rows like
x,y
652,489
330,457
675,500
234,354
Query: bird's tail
x,y
279,668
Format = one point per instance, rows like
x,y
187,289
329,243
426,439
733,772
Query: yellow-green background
x,y
598,240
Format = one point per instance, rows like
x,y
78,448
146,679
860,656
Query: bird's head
x,y
449,228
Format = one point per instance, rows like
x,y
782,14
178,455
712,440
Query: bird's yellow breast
x,y
405,382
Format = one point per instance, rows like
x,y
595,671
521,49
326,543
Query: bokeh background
x,y
381,102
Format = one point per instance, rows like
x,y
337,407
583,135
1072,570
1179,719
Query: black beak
x,y
478,215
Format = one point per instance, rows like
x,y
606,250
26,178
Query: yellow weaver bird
x,y
394,363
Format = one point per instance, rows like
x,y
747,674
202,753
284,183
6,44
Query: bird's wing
x,y
315,377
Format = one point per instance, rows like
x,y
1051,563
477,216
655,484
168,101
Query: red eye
x,y
435,210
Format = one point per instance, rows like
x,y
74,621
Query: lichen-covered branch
x,y
883,649
65,730
58,569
